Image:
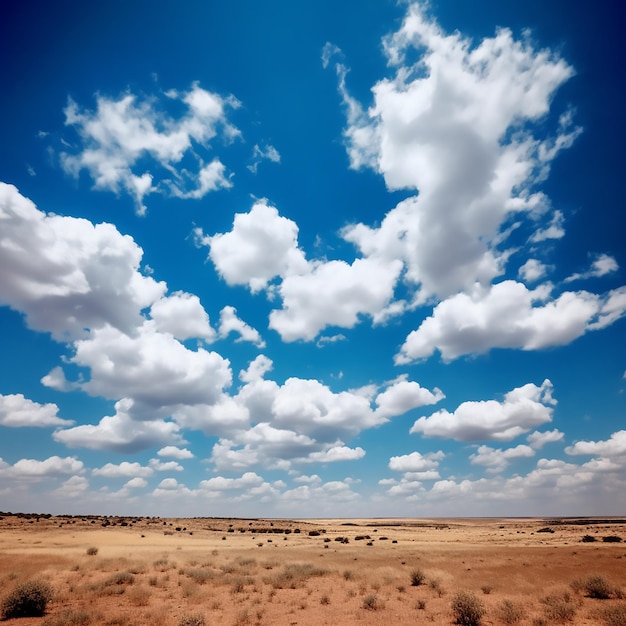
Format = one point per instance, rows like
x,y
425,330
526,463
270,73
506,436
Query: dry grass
x,y
141,577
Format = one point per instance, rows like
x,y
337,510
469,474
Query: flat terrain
x,y
187,572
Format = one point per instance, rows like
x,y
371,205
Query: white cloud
x,y
532,270
67,274
333,293
136,483
74,487
121,134
120,433
151,367
404,395
509,315
456,125
261,246
17,411
615,446
168,466
539,439
32,469
267,153
416,462
522,409
231,323
247,480
336,453
497,460
182,315
176,453
602,265
124,469
256,370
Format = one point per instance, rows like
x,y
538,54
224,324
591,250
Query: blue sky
x,y
312,259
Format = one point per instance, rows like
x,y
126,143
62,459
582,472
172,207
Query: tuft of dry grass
x,y
559,607
511,612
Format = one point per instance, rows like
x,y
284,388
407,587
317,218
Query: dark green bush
x,y
28,599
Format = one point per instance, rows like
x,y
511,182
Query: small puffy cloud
x,y
120,433
175,453
521,410
165,466
136,483
539,439
333,293
231,323
532,270
509,315
497,460
336,453
182,315
219,483
256,370
123,136
261,246
74,487
17,411
404,395
124,469
602,265
613,447
416,462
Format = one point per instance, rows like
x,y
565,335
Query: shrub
x,y
92,551
614,615
559,607
371,603
611,539
28,599
69,617
192,619
417,577
588,539
598,587
510,612
467,608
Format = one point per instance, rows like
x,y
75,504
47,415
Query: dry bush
x,y
371,603
417,577
511,612
294,575
139,596
92,551
28,599
596,586
559,607
467,608
192,619
69,617
613,615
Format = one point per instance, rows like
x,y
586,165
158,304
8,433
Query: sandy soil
x,y
189,572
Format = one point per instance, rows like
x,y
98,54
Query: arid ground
x,y
188,572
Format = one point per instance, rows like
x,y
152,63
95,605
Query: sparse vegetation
x,y
614,615
371,602
559,607
192,619
92,551
510,612
596,586
28,599
417,577
468,610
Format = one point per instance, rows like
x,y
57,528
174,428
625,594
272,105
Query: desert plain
x,y
150,571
